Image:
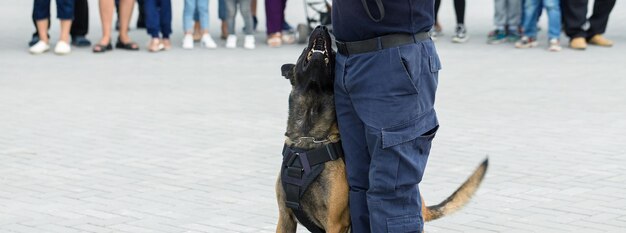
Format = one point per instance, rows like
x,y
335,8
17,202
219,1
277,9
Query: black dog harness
x,y
299,169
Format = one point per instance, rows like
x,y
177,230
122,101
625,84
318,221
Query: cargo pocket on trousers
x,y
410,143
404,224
409,131
426,140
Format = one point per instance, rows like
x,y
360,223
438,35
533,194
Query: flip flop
x,y
132,46
102,48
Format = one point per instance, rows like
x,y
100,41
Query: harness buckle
x,y
295,172
292,158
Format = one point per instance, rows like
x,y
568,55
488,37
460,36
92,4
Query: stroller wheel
x,y
303,33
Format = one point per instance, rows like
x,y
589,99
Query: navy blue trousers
x,y
158,17
80,22
65,9
384,101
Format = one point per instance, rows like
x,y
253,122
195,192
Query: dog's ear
x,y
287,70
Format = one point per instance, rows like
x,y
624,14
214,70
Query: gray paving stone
x,y
92,228
190,141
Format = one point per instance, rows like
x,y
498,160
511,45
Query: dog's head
x,y
311,101
315,68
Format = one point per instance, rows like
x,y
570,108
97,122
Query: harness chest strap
x,y
328,152
299,169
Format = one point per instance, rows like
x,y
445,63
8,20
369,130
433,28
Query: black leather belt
x,y
379,43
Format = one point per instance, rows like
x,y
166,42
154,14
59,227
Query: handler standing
x,y
386,78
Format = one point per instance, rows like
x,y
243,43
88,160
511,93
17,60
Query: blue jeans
x,y
531,15
384,102
65,9
221,11
192,7
158,17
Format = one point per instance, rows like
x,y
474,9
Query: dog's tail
x,y
459,198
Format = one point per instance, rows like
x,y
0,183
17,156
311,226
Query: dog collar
x,y
312,139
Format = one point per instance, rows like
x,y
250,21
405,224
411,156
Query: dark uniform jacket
x,y
352,23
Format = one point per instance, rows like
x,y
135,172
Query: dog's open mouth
x,y
319,46
316,64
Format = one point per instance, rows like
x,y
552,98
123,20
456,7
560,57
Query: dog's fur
x,y
312,123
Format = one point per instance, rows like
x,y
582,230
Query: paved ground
x,y
189,141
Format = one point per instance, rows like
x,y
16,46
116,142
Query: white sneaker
x,y
39,48
231,42
188,41
208,42
461,35
555,45
248,42
526,42
62,48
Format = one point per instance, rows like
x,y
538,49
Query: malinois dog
x,y
312,124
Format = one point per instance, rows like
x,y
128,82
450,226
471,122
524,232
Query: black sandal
x,y
102,48
128,46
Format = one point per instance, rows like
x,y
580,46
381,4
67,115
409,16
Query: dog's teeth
x,y
319,51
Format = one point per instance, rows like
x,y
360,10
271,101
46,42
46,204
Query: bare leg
x,y
224,29
107,7
197,31
66,25
254,18
196,26
42,29
253,7
126,11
